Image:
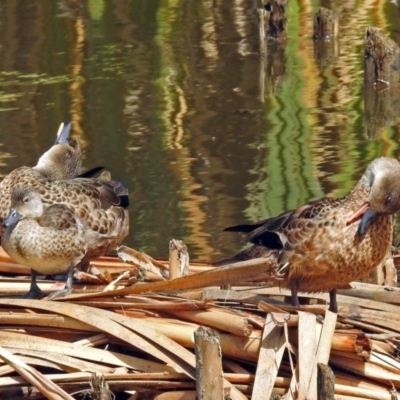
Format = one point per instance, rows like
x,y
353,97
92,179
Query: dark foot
x,y
294,288
34,294
333,306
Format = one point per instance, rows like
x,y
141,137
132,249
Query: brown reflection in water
x,y
76,87
272,67
382,108
21,27
174,97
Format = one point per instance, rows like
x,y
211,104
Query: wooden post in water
x,y
326,32
382,59
273,19
272,35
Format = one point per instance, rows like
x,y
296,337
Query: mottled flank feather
x,y
318,246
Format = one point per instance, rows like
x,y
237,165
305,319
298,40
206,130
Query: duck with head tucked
x,y
100,204
62,161
320,246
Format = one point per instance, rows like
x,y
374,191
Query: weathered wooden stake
x,y
209,376
325,382
273,19
382,58
178,259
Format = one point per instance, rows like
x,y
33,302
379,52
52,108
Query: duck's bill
x,y
12,218
359,213
367,216
366,221
63,133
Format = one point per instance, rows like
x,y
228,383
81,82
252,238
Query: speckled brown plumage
x,y
319,246
100,203
62,161
48,240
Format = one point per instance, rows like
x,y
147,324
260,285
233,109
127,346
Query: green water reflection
x,y
174,98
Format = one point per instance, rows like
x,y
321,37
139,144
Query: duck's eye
x,y
26,199
388,199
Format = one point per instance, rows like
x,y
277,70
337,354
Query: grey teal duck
x,y
62,161
49,240
320,246
101,203
88,218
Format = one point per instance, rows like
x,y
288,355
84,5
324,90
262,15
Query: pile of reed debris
x,y
130,332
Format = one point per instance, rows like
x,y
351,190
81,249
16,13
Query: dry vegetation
x,y
128,332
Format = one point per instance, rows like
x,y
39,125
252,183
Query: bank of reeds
x,y
130,332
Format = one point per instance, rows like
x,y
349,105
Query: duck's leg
x,y
294,288
67,289
34,291
333,301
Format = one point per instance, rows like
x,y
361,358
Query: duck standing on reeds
x,y
98,204
83,219
48,240
318,247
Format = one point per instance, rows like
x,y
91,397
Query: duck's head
x,y
64,159
383,178
25,203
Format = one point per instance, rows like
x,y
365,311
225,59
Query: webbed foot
x,y
59,293
34,293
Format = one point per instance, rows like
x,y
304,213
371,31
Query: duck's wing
x,y
59,217
91,172
275,232
265,232
254,251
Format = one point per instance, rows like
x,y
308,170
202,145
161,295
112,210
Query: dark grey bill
x,y
12,218
366,221
63,133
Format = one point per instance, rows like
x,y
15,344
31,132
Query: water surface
x,y
174,97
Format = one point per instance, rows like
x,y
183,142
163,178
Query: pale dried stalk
x,y
366,369
253,270
270,357
141,260
22,341
116,325
35,378
177,395
218,319
244,348
63,361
